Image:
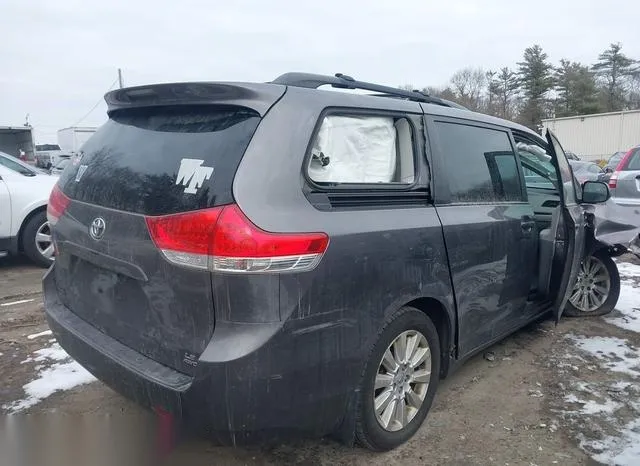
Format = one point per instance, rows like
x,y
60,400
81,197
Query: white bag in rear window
x,y
360,149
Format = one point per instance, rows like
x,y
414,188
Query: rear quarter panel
x,y
378,259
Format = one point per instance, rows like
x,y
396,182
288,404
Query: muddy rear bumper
x,y
234,399
128,372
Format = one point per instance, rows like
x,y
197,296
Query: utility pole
x,y
120,78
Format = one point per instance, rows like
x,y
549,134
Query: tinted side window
x,y
480,162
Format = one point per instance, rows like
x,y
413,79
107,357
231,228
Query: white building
x,y
71,139
597,136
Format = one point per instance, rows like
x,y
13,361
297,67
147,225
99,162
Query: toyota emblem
x,y
97,228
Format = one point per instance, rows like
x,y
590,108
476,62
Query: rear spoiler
x,y
256,96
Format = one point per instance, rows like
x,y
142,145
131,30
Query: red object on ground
x,y
165,440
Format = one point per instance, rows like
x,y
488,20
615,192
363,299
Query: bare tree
x,y
468,86
493,93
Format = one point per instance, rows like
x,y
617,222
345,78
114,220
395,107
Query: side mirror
x,y
594,192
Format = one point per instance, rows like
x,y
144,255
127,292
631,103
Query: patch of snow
x,y
59,372
583,387
54,352
592,407
41,334
609,439
63,376
629,301
571,398
619,386
629,306
621,450
627,269
614,353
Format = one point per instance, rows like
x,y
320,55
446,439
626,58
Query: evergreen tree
x,y
536,81
576,88
614,69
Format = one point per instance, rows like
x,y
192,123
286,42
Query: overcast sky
x,y
58,57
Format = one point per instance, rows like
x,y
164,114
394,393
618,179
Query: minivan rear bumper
x,y
245,399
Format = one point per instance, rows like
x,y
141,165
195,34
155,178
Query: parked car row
x,y
613,162
24,193
587,171
624,182
49,159
621,172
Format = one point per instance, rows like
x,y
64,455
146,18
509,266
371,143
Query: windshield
x,y
15,165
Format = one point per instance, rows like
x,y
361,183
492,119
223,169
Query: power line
x,y
95,106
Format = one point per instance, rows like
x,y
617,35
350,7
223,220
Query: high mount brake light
x,y
223,239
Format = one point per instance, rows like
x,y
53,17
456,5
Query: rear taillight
x,y
58,203
223,239
613,180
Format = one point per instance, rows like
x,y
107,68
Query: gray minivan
x,y
260,259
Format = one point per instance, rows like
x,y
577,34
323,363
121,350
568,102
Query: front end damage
x,y
614,227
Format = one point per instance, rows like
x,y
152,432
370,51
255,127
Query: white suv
x,y
24,192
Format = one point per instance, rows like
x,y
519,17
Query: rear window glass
x,y
481,164
162,160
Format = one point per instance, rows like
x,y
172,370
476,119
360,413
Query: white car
x,y
24,193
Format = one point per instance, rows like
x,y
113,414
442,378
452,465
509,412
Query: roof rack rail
x,y
342,81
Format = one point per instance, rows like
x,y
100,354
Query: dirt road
x,y
546,395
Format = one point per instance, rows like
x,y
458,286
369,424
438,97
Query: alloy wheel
x,y
592,286
402,380
44,243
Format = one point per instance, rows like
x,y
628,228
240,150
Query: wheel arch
x,y
30,215
442,319
594,245
613,250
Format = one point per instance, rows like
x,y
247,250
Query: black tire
x,y
614,291
29,240
369,432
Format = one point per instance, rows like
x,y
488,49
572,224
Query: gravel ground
x,y
537,398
